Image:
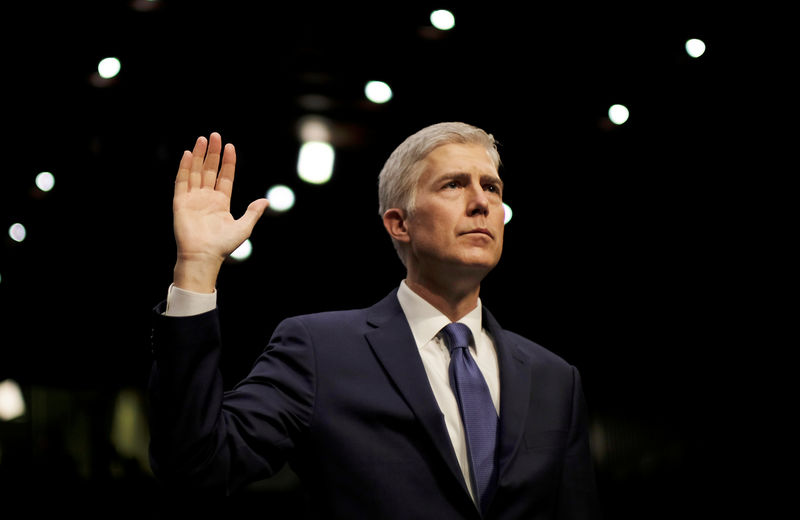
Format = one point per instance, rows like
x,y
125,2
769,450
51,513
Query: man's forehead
x,y
456,158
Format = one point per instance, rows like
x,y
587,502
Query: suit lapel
x,y
515,389
394,346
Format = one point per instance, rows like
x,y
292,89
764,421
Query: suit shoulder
x,y
350,319
534,349
327,319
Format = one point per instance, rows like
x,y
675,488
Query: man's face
x,y
458,218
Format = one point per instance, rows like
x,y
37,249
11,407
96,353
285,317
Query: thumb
x,y
253,213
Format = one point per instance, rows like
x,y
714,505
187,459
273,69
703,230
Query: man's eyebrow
x,y
462,176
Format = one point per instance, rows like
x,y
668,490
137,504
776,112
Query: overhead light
x,y
378,91
45,181
507,213
108,67
618,114
695,47
12,404
315,162
281,198
244,251
443,19
17,232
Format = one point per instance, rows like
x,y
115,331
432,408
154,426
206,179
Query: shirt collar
x,y
426,320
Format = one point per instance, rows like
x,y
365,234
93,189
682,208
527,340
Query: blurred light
x,y
618,114
314,128
108,68
45,181
378,91
507,213
315,102
315,162
17,232
129,433
281,198
244,251
145,5
695,48
12,404
443,20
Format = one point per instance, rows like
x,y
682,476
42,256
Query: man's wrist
x,y
198,276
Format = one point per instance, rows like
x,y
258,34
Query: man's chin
x,y
477,264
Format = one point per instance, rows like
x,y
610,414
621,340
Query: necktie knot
x,y
456,335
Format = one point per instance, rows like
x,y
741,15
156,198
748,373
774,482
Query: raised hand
x,y
205,231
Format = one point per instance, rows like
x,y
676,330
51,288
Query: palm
x,y
203,225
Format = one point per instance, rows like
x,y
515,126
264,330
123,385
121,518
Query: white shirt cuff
x,y
181,302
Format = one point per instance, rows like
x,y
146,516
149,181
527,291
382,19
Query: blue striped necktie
x,y
477,411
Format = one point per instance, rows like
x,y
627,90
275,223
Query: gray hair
x,y
397,182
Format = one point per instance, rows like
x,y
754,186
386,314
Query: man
x,y
360,402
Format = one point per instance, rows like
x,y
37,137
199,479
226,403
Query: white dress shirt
x,y
181,302
426,322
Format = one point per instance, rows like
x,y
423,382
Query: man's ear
x,y
394,220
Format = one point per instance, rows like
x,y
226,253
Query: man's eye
x,y
452,184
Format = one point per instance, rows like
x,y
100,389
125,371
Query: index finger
x,y
182,178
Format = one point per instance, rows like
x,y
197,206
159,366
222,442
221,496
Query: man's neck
x,y
453,301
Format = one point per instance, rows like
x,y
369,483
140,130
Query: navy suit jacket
x,y
343,397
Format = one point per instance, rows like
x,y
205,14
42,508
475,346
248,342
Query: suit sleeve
x,y
203,437
577,497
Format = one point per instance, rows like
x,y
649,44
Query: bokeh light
x,y
108,67
315,162
378,91
695,47
281,198
17,232
244,251
443,19
45,181
618,114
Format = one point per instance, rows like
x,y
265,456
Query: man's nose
x,y
478,203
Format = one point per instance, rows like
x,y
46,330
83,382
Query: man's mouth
x,y
482,231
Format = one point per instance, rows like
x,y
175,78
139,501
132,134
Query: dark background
x,y
636,252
